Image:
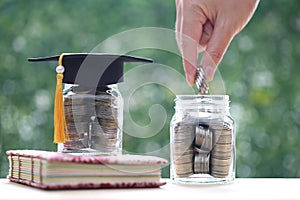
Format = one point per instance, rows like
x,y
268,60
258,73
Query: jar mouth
x,y
210,96
214,102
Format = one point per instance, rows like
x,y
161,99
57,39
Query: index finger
x,y
188,39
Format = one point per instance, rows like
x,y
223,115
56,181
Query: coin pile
x,y
183,148
221,156
91,119
202,147
201,163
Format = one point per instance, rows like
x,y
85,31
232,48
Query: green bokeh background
x,y
260,72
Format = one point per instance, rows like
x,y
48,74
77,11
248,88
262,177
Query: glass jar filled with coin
x,y
88,113
93,119
202,137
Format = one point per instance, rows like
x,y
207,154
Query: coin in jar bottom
x,y
220,167
201,163
219,173
73,145
183,170
107,143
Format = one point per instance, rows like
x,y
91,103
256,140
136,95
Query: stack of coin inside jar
x,y
91,119
183,148
202,147
222,152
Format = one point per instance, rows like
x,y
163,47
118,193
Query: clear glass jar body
x,y
94,119
202,137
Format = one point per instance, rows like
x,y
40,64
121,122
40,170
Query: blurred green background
x,y
260,72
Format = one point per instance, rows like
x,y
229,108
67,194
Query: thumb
x,y
215,50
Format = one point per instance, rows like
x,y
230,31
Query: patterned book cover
x,y
53,170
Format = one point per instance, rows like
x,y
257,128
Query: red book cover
x,y
53,170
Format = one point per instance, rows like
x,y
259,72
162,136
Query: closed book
x,y
53,170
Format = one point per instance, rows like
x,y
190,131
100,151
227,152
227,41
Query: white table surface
x,y
250,188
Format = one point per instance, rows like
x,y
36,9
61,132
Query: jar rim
x,y
215,102
215,96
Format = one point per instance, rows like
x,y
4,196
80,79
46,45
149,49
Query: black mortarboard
x,y
92,70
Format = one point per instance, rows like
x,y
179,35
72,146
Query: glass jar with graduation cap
x,y
88,112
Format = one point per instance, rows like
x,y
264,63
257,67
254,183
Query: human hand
x,y
209,25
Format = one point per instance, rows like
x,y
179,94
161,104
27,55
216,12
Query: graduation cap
x,y
91,70
85,69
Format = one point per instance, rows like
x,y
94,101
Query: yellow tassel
x,y
60,127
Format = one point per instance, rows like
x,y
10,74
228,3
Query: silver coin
x,y
224,140
203,138
199,150
221,133
221,169
179,144
221,129
201,163
187,158
221,155
184,137
218,168
222,147
199,135
184,129
179,155
200,80
182,147
219,175
179,151
220,162
184,170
